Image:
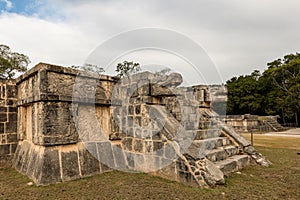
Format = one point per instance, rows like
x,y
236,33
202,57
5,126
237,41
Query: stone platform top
x,y
62,70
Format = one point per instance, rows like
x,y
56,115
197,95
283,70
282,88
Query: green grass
x,y
274,141
280,181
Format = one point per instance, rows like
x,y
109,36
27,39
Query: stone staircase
x,y
211,153
219,149
198,148
273,124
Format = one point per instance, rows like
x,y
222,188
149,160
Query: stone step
x,y
233,163
205,133
191,125
198,148
212,143
206,124
221,153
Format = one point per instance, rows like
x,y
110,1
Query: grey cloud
x,y
240,36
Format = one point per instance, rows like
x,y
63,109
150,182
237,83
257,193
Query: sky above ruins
x,y
238,36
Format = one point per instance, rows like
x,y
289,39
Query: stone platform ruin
x,y
73,124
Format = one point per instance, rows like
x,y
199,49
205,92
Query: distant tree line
x,y
274,92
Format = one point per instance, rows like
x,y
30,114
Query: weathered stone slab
x,y
58,124
119,158
227,166
49,169
130,158
105,154
33,160
4,149
213,175
237,137
69,162
88,157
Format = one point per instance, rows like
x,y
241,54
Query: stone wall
x,y
247,123
8,120
243,123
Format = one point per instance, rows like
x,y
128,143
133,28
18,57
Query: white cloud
x,y
44,41
8,4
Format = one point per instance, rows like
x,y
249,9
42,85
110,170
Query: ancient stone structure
x,y
73,124
247,123
8,120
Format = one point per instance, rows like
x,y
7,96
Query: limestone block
x,y
205,134
237,137
105,152
39,163
227,166
199,148
69,160
4,149
158,90
171,80
130,159
138,145
119,158
213,175
49,167
88,157
58,124
29,89
216,154
242,161
169,152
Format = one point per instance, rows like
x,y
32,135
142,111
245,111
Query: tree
x,y
274,92
244,95
286,79
11,62
127,68
90,68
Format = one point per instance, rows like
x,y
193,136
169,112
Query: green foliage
x,y
274,92
243,95
90,68
127,68
11,62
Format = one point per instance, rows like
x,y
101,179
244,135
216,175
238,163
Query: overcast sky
x,y
239,36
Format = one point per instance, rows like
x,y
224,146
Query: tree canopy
x,y
274,92
11,62
127,68
89,68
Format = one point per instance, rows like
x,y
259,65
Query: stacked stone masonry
x,y
8,120
73,124
248,123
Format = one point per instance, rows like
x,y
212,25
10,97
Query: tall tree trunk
x,y
283,116
296,117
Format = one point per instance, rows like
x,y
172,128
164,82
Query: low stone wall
x,y
242,123
247,123
8,121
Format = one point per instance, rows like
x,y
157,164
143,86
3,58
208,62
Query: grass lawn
x,y
280,181
274,141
